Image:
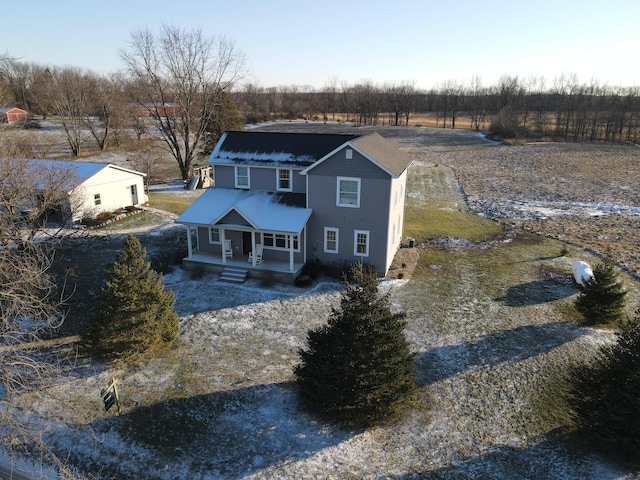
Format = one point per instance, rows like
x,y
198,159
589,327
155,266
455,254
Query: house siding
x,y
325,160
260,178
396,216
13,115
371,216
233,218
358,166
114,188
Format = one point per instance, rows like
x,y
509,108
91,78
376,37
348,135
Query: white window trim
x,y
248,185
355,243
278,188
337,231
349,179
349,154
296,239
211,240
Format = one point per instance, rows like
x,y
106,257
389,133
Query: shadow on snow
x,y
228,434
513,345
537,292
549,460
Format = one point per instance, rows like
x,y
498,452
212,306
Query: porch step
x,y
234,275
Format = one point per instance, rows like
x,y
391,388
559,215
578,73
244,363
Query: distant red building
x,y
166,110
12,115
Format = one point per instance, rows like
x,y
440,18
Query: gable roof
x,y
262,210
79,172
9,109
383,152
275,148
376,149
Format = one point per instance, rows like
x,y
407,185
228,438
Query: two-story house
x,y
281,199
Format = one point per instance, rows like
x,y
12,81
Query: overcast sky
x,y
296,42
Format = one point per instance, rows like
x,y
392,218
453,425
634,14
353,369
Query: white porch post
x,y
253,247
291,253
189,246
224,257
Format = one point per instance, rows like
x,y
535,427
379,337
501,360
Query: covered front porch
x,y
250,230
278,270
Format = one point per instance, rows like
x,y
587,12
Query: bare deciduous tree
x,y
103,114
30,302
148,162
477,96
70,98
330,97
186,71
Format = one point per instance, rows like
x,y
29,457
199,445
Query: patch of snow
x,y
582,272
259,208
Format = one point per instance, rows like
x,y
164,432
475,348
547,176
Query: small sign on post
x,y
110,396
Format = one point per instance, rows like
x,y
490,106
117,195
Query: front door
x,y
134,195
246,243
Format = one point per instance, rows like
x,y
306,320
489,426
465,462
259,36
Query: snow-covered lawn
x,y
492,339
221,405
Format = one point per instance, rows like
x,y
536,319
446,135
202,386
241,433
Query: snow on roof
x,y
258,158
80,171
275,148
261,210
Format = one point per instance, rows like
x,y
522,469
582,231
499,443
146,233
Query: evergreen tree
x,y
358,368
605,394
134,313
602,299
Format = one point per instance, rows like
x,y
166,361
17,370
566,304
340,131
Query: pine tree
x,y
358,368
602,299
134,313
605,394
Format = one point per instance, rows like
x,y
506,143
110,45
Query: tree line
x,y
174,86
204,78
564,109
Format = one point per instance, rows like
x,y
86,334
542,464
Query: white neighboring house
x,y
98,187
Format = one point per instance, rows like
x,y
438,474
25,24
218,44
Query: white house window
x,y
279,241
349,154
330,240
348,192
96,199
361,243
242,177
214,235
284,180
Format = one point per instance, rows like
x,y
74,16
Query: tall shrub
x,y
605,394
134,314
358,369
602,299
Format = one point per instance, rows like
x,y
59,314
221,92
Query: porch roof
x,y
262,210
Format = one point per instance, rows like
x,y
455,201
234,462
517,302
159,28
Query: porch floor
x,y
214,261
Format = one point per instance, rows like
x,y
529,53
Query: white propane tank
x,y
582,272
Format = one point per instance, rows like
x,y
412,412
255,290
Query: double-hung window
x,y
331,240
214,235
348,192
361,243
284,180
96,199
242,177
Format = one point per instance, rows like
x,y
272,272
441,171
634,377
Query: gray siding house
x,y
294,197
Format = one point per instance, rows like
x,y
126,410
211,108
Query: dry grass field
x,y
492,324
585,194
